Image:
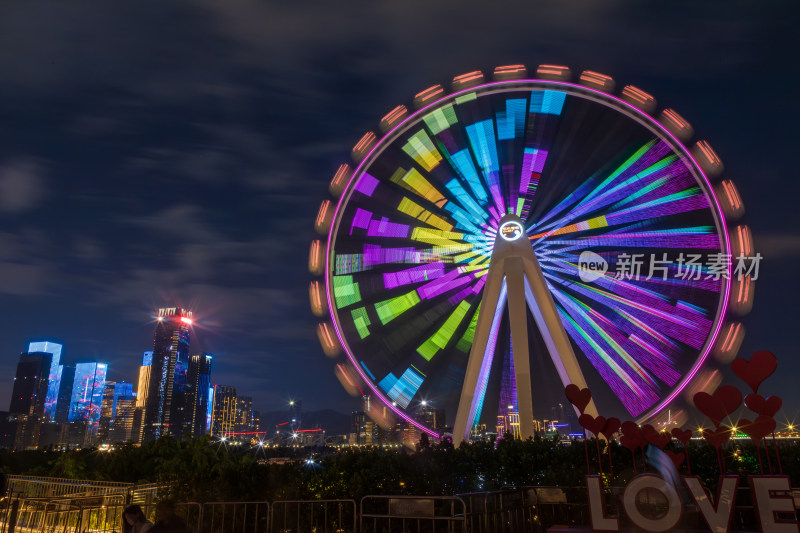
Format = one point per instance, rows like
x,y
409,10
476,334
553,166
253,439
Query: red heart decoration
x,y
717,437
657,439
630,442
760,366
595,425
759,428
717,406
631,429
580,398
760,406
682,435
677,458
611,427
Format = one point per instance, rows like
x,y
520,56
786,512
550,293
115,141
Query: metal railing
x,y
51,487
234,517
401,514
320,516
65,488
511,510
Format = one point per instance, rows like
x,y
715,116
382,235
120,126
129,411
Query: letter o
x,y
674,506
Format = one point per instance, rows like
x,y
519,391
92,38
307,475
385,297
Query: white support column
x,y
520,347
514,262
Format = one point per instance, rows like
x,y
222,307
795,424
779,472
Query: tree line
x,y
204,470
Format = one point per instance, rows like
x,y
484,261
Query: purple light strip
x,y
360,219
413,275
445,284
633,113
384,228
366,185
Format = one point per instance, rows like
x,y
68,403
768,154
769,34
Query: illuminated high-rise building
x,y
142,389
245,414
143,384
87,396
432,417
124,420
165,407
51,399
224,418
66,378
28,397
197,398
114,393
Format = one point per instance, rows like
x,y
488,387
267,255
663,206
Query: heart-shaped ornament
x,y
717,437
631,442
753,372
682,435
757,404
677,457
611,427
759,428
655,437
631,429
595,425
717,406
580,398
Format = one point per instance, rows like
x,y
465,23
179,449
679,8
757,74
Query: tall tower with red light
x,y
166,406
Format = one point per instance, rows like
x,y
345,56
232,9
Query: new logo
x,y
591,266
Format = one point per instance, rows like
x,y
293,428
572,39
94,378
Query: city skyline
x,y
185,168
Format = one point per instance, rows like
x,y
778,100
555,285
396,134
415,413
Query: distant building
x,y
114,394
50,435
8,430
197,397
143,384
87,397
28,397
430,416
363,430
51,400
224,419
75,434
247,422
142,393
165,408
122,430
66,378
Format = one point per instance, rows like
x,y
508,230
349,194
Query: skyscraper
x,y
66,378
245,414
87,396
165,407
224,418
51,400
142,393
143,384
28,397
114,394
197,387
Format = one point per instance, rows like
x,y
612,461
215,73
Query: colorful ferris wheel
x,y
517,235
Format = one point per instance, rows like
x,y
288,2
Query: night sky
x,y
155,154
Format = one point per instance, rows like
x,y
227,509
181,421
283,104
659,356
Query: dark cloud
x,y
22,185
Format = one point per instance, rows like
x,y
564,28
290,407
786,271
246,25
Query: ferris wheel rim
x,y
600,97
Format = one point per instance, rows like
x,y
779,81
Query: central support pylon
x,y
515,278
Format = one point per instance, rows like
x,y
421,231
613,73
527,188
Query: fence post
x,y
12,518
